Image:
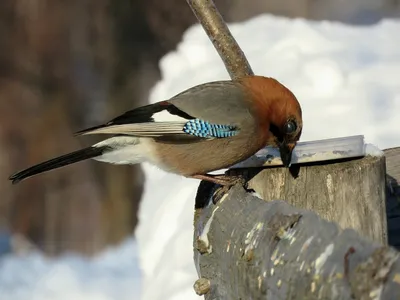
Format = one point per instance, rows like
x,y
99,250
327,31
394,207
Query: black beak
x,y
286,153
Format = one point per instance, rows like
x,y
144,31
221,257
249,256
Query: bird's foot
x,y
220,192
225,182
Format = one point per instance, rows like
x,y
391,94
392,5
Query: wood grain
x,y
351,193
272,250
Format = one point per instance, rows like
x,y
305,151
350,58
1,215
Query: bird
x,y
208,127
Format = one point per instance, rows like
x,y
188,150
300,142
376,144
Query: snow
x,y
346,79
204,234
373,150
113,274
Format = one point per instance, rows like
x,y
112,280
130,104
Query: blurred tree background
x,y
69,65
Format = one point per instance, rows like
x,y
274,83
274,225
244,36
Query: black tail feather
x,y
57,162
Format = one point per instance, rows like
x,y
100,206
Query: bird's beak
x,y
286,153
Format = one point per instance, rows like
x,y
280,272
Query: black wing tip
x,y
80,132
83,131
16,178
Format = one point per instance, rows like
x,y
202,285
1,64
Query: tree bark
x,y
351,193
393,195
247,248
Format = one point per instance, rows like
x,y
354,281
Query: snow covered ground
x,y
347,81
112,275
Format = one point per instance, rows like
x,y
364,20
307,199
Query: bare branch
x,y
228,49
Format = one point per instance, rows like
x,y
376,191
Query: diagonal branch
x,y
228,49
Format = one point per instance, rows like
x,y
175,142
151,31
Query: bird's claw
x,y
219,193
225,182
230,181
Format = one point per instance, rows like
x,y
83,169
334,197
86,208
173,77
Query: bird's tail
x,y
58,162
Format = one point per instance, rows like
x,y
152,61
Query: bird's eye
x,y
290,127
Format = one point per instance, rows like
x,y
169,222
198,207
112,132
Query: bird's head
x,y
279,111
286,123
285,136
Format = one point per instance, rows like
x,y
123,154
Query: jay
x,y
208,127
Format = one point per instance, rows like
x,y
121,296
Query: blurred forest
x,y
67,65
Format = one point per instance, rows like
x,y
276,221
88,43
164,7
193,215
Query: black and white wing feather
x,y
161,119
150,129
152,120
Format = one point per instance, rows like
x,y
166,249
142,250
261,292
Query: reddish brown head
x,y
278,111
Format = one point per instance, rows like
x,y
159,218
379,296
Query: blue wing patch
x,y
206,129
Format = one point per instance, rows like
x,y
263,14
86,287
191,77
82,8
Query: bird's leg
x,y
225,181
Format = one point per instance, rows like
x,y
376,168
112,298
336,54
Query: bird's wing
x,y
218,102
161,119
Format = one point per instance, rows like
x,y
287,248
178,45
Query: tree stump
x,y
351,193
393,195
